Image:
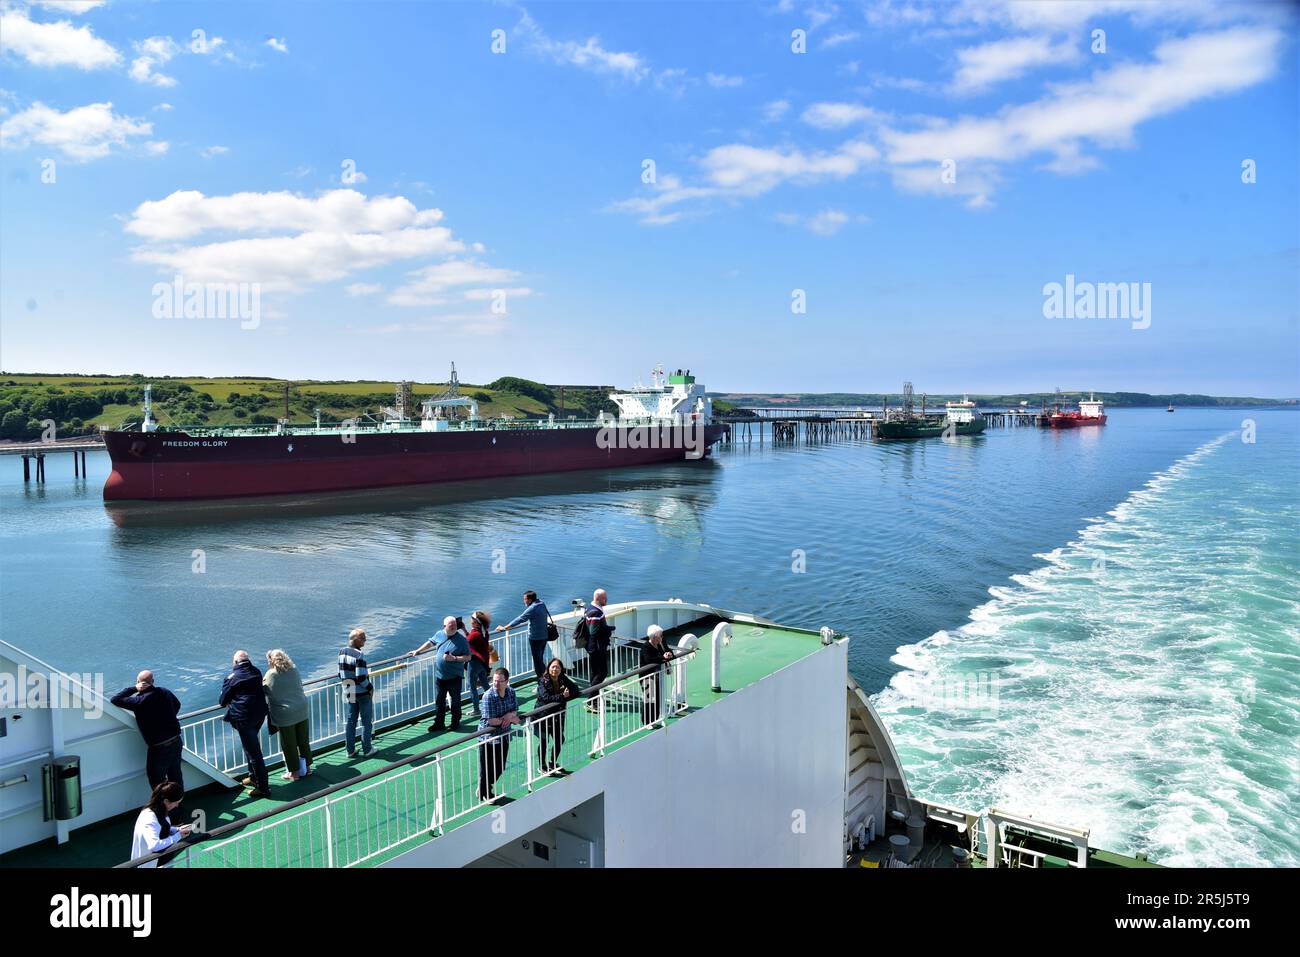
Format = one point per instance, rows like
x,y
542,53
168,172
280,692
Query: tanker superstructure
x,y
670,420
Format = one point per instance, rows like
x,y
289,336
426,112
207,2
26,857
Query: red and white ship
x,y
670,420
1090,412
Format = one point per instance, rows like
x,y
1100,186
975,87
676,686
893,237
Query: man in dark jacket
x,y
653,651
245,703
155,711
599,632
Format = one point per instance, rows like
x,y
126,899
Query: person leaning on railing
x,y
498,710
244,699
155,709
653,651
358,693
448,670
555,688
289,713
537,616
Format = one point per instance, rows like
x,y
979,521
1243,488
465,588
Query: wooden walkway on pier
x,y
35,452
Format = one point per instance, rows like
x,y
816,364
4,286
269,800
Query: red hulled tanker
x,y
664,422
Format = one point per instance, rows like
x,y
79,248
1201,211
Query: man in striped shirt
x,y
499,709
358,692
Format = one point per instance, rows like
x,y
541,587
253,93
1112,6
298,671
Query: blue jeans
x,y
480,679
252,742
364,708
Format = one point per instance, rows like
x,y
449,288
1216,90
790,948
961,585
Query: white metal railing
x,y
403,687
354,827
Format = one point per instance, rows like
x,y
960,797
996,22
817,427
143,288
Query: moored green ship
x,y
960,418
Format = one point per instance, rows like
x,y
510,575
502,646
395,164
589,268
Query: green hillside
x,y
80,404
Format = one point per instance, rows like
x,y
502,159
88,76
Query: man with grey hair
x,y
448,670
244,699
599,632
358,693
653,651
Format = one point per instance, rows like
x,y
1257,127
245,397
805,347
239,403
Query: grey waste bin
x,y
63,787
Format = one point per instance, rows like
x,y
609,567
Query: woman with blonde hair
x,y
289,713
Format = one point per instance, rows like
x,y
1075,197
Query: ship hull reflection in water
x,y
687,483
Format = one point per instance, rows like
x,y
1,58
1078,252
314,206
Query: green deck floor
x,y
755,652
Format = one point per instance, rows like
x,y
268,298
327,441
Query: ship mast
x,y
150,423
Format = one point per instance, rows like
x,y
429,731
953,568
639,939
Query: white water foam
x,y
1125,672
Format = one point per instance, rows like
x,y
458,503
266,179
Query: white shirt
x,y
145,839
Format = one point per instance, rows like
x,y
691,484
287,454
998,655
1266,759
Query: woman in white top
x,y
153,830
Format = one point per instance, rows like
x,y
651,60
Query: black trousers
x,y
163,762
448,687
492,756
550,736
650,701
599,665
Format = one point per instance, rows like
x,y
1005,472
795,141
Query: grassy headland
x,y
81,404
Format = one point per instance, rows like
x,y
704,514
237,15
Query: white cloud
x,y
820,16
1069,15
54,44
157,147
162,107
485,323
211,151
322,238
983,66
205,47
432,285
751,170
589,55
153,53
84,133
76,7
188,213
892,13
827,222
1105,109
776,109
722,80
277,44
836,116
839,39
363,289
740,170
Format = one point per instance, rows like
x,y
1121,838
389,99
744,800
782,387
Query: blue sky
x,y
920,171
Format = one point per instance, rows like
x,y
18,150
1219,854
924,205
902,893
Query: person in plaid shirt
x,y
499,709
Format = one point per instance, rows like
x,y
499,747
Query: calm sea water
x,y
1096,627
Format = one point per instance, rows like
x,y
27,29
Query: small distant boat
x,y
1171,407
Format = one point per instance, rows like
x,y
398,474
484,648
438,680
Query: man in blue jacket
x,y
245,704
537,616
155,711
